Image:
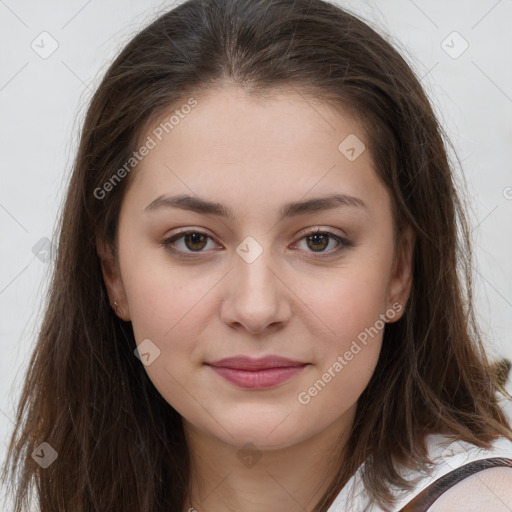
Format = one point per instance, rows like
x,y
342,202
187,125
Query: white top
x,y
446,455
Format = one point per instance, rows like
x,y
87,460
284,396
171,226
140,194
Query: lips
x,y
249,363
265,372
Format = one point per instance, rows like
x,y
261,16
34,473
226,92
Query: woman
x,y
259,297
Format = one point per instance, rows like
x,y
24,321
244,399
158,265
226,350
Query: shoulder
x,y
481,489
490,489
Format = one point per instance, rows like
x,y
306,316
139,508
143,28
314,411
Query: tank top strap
x,y
427,496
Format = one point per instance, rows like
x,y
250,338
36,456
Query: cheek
x,y
169,307
348,302
351,307
348,351
346,358
165,301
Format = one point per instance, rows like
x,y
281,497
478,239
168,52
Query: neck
x,y
227,478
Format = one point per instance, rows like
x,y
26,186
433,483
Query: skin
x,y
490,489
254,155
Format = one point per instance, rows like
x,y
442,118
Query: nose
x,y
257,298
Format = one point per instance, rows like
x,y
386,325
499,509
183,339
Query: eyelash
x,y
168,243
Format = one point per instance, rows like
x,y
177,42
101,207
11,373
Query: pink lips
x,y
260,373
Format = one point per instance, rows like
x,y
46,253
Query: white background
x,y
43,101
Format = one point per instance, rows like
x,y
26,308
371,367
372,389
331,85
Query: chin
x,y
261,440
270,432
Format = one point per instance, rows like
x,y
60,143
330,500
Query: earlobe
x,y
401,278
113,280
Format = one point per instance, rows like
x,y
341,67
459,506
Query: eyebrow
x,y
293,209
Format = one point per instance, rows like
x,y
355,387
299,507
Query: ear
x,y
112,278
401,277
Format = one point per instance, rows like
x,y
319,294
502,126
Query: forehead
x,y
232,118
282,144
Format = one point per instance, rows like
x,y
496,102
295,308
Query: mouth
x,y
265,372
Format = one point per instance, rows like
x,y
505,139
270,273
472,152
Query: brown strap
x,y
425,498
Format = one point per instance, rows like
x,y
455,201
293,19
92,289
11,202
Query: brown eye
x,y
191,242
319,241
195,241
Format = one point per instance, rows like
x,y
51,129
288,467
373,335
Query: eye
x,y
197,241
319,240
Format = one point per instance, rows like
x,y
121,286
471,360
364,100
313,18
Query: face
x,y
312,284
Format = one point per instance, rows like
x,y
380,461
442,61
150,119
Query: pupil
x,y
316,237
195,238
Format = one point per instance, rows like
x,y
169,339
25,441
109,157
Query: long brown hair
x,y
120,445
